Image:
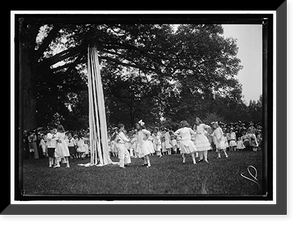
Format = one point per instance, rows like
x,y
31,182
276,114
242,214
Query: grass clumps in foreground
x,y
167,175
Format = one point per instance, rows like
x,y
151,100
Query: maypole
x,y
97,117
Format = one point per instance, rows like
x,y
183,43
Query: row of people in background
x,y
159,141
196,141
165,143
34,142
58,146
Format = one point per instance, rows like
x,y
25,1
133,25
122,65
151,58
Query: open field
x,y
167,175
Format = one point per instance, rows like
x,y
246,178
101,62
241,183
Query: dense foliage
x,y
152,72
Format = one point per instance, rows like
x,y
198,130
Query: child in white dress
x,y
157,142
127,144
168,142
51,145
43,145
174,144
81,148
163,142
226,138
143,145
151,140
232,140
219,140
124,156
62,150
87,147
71,145
240,145
113,143
252,139
186,145
201,141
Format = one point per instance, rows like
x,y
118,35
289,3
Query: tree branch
x,y
59,57
52,34
135,65
74,64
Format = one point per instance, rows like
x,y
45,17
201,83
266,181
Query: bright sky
x,y
249,41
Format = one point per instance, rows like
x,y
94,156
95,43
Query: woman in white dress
x,y
144,147
186,145
201,141
62,150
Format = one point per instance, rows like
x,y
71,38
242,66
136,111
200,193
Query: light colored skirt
x,y
221,145
187,147
145,148
202,143
232,143
62,150
124,156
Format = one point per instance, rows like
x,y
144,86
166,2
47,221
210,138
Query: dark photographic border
x,y
279,207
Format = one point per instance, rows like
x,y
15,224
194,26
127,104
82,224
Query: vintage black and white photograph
x,y
144,106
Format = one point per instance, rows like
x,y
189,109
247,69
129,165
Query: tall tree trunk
x,y
27,89
28,92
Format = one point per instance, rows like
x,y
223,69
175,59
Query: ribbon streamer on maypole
x,y
97,117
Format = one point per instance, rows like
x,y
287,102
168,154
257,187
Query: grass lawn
x,y
167,175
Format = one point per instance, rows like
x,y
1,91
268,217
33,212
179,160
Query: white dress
x,y
240,145
232,139
201,141
219,139
62,149
123,154
81,148
143,145
252,139
157,142
186,145
168,140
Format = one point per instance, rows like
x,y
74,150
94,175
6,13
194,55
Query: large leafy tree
x,y
205,70
149,71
